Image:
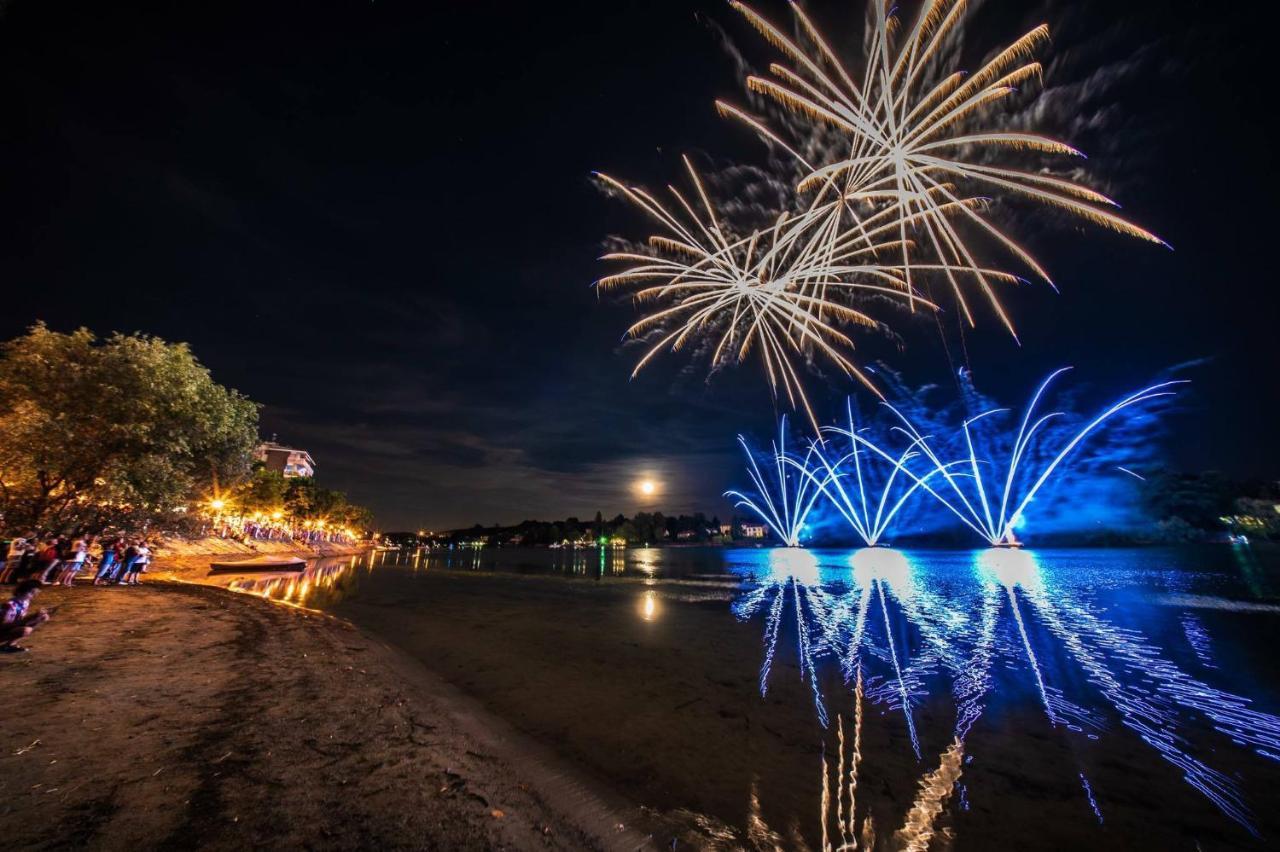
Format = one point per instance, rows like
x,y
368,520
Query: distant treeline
x,y
643,528
1195,506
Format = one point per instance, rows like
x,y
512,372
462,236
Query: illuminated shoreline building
x,y
288,461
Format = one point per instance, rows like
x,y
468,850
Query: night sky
x,y
377,219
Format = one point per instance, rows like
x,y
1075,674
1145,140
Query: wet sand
x,y
172,716
575,665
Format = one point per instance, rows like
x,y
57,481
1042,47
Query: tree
x,y
1197,499
627,532
126,430
264,491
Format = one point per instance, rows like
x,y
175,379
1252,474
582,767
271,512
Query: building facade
x,y
288,461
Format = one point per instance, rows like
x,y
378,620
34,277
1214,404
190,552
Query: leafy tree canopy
x,y
297,499
125,430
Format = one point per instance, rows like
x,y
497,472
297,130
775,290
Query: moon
x,y
648,487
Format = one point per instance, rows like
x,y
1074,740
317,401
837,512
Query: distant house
x,y
288,461
753,531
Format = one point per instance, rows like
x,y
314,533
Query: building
x,y
754,531
288,461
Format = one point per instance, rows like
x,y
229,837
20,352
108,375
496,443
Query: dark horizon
x,y
378,220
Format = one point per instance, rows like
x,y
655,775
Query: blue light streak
x,y
1002,617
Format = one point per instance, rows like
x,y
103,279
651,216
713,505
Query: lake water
x,y
766,698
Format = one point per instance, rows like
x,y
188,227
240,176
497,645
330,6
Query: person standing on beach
x,y
129,557
25,563
106,562
122,545
139,564
47,561
74,564
15,622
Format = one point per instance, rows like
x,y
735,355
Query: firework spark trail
x,y
845,820
783,509
772,624
939,467
856,757
892,204
972,505
923,607
974,681
1093,801
826,797
807,656
902,689
759,835
1148,715
1198,639
768,290
867,516
907,134
921,823
806,594
1031,656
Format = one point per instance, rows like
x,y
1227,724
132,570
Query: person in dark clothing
x,y
10,549
16,622
129,558
26,562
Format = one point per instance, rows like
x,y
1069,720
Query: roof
x,y
271,446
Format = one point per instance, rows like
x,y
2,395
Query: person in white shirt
x,y
75,564
139,565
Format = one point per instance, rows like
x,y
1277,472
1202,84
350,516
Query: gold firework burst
x,y
911,142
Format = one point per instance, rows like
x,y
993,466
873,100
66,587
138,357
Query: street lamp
x,y
217,505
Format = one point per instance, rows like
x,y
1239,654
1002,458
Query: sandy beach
x,y
176,716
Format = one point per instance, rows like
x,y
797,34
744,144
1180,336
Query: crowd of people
x,y
59,560
32,562
259,527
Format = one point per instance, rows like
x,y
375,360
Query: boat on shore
x,y
258,564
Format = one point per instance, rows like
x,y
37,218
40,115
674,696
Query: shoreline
x,y
188,559
178,710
